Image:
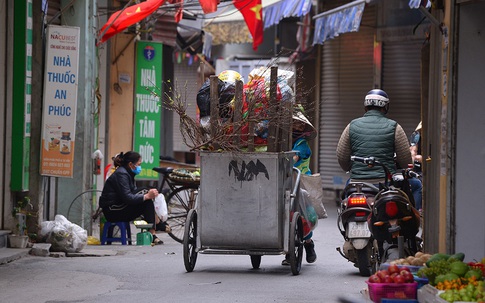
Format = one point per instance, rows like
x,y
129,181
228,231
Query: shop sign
x,y
148,91
60,101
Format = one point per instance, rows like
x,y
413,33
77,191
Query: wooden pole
x,y
238,100
285,124
251,130
214,107
273,111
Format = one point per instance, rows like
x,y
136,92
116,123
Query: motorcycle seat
x,y
352,187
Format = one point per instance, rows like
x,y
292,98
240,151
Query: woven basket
x,y
185,175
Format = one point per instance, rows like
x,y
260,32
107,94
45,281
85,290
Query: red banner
x,y
252,11
124,18
209,6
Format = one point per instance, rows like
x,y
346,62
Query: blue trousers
x,y
417,190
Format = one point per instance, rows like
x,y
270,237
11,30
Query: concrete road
x,y
157,274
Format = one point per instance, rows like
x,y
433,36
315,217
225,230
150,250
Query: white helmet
x,y
376,97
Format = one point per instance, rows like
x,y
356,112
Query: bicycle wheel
x,y
296,243
179,203
82,208
190,241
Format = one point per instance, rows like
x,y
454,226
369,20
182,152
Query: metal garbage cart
x,y
247,205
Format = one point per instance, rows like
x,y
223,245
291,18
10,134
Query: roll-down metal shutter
x,y
346,76
53,8
185,80
401,81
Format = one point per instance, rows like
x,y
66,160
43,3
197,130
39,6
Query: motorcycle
x,y
355,207
394,221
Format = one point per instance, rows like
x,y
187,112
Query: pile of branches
x,y
249,118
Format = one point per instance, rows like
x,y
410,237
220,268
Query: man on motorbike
x,y
373,135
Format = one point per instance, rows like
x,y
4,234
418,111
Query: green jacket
x,y
372,135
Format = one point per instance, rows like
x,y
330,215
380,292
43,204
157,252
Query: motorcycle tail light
x,y
357,201
391,209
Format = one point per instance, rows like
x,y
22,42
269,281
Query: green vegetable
x,y
439,278
436,268
450,277
474,273
459,268
436,257
458,256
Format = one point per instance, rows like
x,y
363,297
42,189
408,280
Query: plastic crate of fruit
x,y
378,291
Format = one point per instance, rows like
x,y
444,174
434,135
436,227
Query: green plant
x,y
20,211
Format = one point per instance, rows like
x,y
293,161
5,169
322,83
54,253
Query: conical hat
x,y
419,126
310,132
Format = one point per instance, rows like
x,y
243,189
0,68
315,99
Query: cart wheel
x,y
255,261
296,243
190,240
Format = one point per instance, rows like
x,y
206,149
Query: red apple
x,y
382,274
374,279
398,279
387,279
408,276
405,268
393,268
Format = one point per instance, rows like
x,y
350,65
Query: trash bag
x,y
309,215
256,96
226,92
63,235
283,78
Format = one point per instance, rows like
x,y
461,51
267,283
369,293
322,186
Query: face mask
x,y
137,170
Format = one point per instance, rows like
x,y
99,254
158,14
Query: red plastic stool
x,y
107,235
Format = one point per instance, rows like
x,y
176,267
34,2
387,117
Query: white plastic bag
x,y
313,185
63,235
161,207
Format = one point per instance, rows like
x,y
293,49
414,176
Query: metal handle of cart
x,y
294,194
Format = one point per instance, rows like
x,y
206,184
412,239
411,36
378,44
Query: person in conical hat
x,y
302,127
303,131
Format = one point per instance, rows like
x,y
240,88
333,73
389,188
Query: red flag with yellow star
x,y
252,11
122,19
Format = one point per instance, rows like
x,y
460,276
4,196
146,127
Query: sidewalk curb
x,y
11,254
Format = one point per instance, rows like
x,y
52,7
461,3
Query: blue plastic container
x,y
421,281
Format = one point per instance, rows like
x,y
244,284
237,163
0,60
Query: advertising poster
x,y
148,90
60,101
